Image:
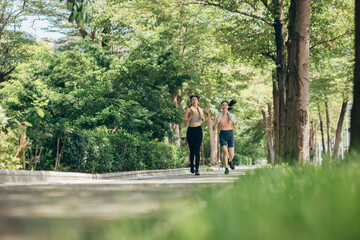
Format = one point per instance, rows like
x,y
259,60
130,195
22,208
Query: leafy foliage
x,y
70,92
117,83
9,158
13,51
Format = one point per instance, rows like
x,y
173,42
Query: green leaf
x,y
40,112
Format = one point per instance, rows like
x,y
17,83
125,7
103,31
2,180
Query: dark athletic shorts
x,y
227,136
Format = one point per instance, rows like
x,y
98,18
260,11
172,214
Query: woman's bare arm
x,y
186,116
233,120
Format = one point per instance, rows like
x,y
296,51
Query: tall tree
x,y
321,129
14,42
355,111
269,133
297,103
256,21
339,128
13,51
11,11
281,70
329,142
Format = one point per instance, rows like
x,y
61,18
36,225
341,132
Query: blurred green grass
x,y
308,202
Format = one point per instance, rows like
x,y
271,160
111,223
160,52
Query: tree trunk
x,y
355,111
315,144
268,138
312,142
22,148
267,133
276,122
339,128
213,141
37,158
176,100
281,70
297,99
57,152
271,134
328,128
177,133
321,130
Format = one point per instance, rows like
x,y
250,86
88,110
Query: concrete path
x,y
37,200
168,176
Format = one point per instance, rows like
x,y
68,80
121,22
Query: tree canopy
x,y
122,78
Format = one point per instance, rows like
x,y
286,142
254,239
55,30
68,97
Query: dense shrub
x,y
97,151
97,154
9,148
75,102
131,153
92,151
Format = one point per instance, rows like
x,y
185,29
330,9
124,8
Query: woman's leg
x,y
191,158
190,140
198,139
225,155
231,149
231,154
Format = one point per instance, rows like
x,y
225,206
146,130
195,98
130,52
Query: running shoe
x,y
232,166
226,171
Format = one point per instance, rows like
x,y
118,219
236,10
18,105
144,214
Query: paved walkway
x,y
36,201
168,176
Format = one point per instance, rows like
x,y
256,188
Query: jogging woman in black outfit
x,y
194,115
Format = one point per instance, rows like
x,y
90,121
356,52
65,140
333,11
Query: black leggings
x,y
194,138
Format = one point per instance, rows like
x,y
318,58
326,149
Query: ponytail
x,y
232,103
